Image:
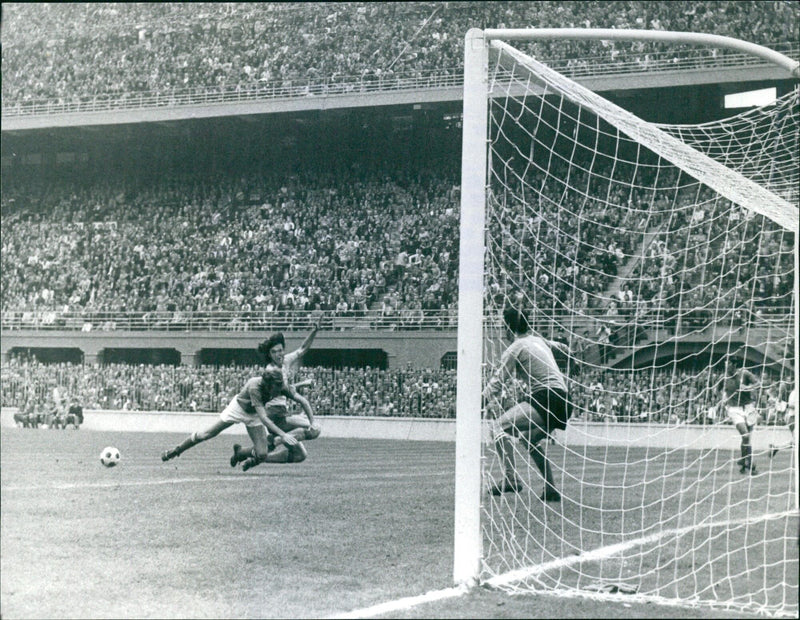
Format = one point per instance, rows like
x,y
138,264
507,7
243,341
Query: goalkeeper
x,y
538,408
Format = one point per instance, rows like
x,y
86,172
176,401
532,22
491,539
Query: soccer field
x,y
360,523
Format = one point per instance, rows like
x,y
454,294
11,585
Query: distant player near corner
x,y
738,401
539,405
789,416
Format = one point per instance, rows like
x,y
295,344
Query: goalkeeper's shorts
x,y
553,406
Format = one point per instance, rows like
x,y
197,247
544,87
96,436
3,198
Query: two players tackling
x,y
284,429
261,406
539,403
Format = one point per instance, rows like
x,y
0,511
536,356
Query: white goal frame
x,y
469,426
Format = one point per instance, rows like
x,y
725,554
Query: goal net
x,y
658,254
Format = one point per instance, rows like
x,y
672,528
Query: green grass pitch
x,y
359,523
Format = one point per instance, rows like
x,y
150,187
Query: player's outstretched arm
x,y
559,346
303,349
303,383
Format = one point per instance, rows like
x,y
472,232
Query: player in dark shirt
x,y
738,401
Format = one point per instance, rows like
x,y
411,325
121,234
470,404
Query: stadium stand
x,y
351,244
301,49
685,396
351,248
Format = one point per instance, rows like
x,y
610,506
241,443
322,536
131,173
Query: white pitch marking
x,y
610,550
144,483
518,575
404,603
111,485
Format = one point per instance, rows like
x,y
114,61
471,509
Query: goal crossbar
x,y
629,34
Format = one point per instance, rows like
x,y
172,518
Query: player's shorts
x,y
234,414
552,405
743,415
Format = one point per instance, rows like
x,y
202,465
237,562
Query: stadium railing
x,y
780,318
576,68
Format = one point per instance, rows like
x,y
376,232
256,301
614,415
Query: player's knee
x,y
260,454
312,432
745,438
297,454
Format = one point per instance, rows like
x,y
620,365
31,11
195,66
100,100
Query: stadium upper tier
x,y
375,250
76,57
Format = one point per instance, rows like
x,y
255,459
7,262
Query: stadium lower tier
x,y
649,395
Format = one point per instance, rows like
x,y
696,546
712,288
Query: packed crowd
x,y
701,256
348,391
320,244
347,243
76,51
664,395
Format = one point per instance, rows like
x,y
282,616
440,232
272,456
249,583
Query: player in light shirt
x,y
538,390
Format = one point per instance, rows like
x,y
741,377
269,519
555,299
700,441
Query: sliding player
x,y
249,408
291,428
538,408
737,396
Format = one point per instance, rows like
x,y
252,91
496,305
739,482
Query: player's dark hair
x,y
269,378
516,320
274,339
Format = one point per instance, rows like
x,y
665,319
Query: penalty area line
x,y
519,575
404,603
231,475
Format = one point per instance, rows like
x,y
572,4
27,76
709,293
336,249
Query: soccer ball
x,y
109,456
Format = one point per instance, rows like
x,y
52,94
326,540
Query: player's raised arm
x,y
306,345
750,381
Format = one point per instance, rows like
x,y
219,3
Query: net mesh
x,y
656,253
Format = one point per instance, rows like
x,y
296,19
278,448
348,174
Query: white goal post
x,y
582,143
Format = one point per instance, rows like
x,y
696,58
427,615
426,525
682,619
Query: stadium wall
x,y
578,432
418,349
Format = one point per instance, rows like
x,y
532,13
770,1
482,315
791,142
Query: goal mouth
x,y
661,257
